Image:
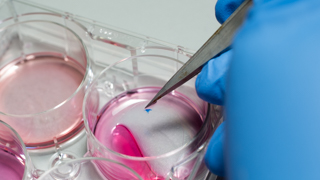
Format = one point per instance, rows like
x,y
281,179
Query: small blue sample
x,y
148,110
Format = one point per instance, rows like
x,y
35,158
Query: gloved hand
x,y
272,94
210,86
210,83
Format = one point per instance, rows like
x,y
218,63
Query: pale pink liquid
x,y
126,127
11,164
38,83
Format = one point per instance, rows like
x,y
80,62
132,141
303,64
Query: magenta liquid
x,y
11,164
126,127
30,86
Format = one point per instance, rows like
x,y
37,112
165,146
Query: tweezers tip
x,y
150,103
154,100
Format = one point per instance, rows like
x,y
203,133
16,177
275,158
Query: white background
x,y
188,23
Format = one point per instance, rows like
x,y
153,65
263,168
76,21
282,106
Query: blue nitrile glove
x,y
210,83
272,94
210,86
224,8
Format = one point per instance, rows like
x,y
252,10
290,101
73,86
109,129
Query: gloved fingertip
x,y
210,83
207,86
214,155
224,8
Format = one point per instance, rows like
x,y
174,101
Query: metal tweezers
x,y
216,44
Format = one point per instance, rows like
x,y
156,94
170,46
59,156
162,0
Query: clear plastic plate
x,y
104,44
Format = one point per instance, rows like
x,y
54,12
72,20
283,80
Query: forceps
x,y
216,44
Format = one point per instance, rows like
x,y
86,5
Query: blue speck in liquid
x,y
147,110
